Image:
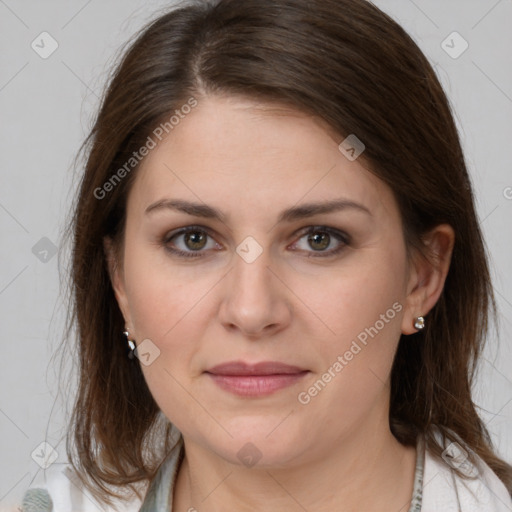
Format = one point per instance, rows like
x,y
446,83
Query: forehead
x,y
250,155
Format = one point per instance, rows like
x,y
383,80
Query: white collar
x,y
445,491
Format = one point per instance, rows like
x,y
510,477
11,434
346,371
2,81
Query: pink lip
x,y
258,379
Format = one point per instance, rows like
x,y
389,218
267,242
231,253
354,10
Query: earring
x,y
131,344
419,323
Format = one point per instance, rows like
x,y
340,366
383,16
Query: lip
x,y
241,368
252,380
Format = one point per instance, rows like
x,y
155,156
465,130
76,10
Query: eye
x,y
194,239
189,242
320,238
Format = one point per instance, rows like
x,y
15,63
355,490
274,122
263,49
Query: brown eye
x,y
319,240
195,240
190,242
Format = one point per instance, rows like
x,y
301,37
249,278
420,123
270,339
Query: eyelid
x,y
180,231
183,231
343,238
320,227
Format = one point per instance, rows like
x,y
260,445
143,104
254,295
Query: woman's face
x,y
252,286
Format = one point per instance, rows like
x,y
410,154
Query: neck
x,y
366,469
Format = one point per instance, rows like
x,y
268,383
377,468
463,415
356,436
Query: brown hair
x,y
343,61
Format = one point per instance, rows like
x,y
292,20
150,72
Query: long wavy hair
x,y
349,64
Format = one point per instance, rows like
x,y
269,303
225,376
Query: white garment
x,y
69,495
443,491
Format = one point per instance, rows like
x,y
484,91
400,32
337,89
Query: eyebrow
x,y
289,215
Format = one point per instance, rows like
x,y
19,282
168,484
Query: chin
x,y
257,442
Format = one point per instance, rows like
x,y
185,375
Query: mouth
x,y
253,380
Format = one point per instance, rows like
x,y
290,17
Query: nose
x,y
255,299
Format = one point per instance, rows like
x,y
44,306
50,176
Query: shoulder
x,y
63,489
444,489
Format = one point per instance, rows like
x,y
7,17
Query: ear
x,y
427,276
116,274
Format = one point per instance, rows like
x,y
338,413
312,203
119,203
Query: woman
x,y
277,215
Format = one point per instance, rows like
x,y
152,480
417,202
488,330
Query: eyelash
x,y
342,237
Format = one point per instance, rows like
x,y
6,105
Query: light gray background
x,y
46,110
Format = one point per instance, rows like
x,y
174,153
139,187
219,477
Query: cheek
x,y
158,295
365,295
363,308
171,306
165,309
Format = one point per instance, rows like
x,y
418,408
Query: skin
x,y
251,161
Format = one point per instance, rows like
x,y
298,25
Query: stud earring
x,y
419,323
131,344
